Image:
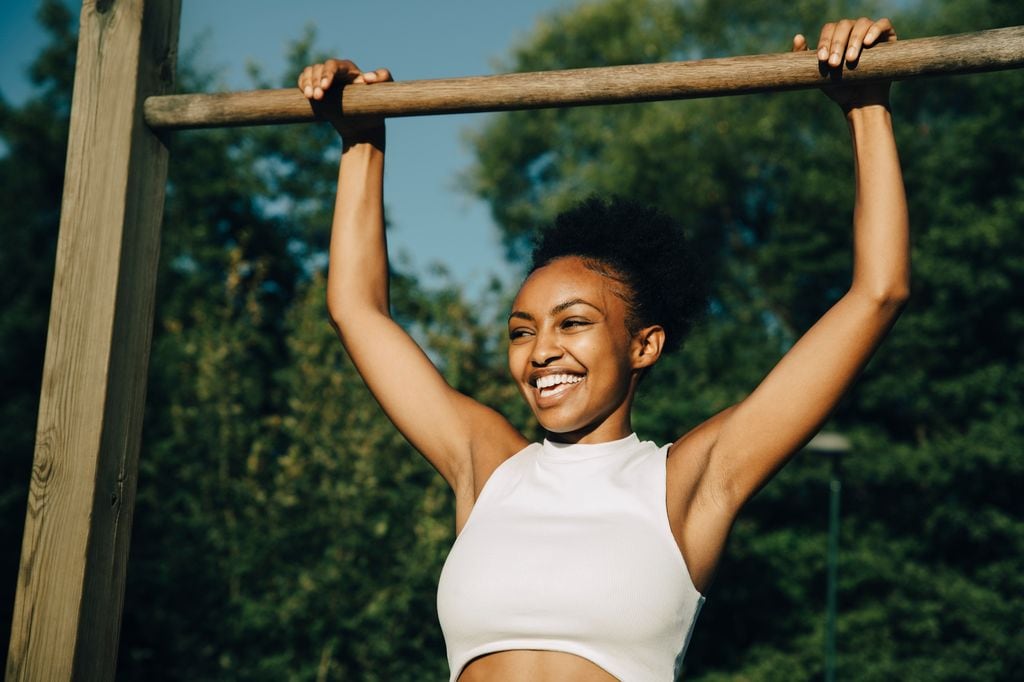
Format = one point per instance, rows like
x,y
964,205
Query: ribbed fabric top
x,y
568,548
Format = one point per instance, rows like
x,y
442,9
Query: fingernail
x,y
851,53
308,92
823,54
318,93
835,59
323,82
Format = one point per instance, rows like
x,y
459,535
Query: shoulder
x,y
491,449
689,459
490,439
685,471
695,493
700,515
483,471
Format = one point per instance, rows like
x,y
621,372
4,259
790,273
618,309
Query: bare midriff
x,y
524,665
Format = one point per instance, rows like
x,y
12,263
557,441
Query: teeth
x,y
553,379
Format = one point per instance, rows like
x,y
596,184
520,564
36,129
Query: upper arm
x,y
718,466
699,519
792,402
455,433
797,396
737,451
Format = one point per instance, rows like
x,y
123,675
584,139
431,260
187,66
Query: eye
x,y
574,323
518,333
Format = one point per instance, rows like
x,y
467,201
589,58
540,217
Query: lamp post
x,y
835,445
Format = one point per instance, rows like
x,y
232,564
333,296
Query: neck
x,y
615,426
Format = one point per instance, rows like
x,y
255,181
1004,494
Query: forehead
x,y
562,280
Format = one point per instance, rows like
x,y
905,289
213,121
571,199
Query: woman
x,y
585,556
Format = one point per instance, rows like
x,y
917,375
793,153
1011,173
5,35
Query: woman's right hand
x,y
317,80
843,42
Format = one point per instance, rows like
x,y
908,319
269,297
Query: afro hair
x,y
640,247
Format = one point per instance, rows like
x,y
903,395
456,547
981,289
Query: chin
x,y
564,427
554,425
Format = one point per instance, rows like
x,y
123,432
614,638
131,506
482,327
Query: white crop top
x,y
568,548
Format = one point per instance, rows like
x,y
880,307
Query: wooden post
x,y
1001,48
67,609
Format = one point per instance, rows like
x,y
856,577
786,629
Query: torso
x,y
526,663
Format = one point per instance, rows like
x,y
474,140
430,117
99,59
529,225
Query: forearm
x,y
881,266
357,276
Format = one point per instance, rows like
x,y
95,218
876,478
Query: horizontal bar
x,y
992,50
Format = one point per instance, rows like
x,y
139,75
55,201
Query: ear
x,y
647,346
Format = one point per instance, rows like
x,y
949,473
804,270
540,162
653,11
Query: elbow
x,y
334,315
347,314
890,298
895,298
337,314
334,320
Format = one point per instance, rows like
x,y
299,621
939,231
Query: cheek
x,y
601,350
518,356
513,359
611,358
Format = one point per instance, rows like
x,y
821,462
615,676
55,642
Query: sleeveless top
x,y
568,548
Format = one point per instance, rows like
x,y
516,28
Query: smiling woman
x,y
610,288
584,557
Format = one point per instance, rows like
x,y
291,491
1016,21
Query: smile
x,y
554,385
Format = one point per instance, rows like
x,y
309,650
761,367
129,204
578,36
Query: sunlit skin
x,y
570,320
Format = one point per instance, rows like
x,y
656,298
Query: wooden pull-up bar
x,y
992,50
67,609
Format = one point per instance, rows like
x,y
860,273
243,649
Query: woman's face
x,y
571,355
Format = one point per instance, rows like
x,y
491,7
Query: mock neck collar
x,y
580,451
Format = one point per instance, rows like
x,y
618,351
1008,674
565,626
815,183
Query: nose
x,y
546,349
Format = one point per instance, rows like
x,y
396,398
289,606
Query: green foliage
x,y
932,537
283,530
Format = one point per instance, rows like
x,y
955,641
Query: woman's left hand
x,y
316,80
842,42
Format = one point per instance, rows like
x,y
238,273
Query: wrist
x,y
371,137
866,111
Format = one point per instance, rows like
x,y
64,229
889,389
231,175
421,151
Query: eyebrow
x,y
561,307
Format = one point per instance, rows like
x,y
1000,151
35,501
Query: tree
x,y
283,528
763,184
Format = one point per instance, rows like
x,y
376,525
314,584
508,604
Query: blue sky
x,y
433,221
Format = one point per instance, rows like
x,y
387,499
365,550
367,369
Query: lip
x,y
559,394
548,371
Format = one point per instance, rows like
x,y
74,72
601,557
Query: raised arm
x,y
463,439
734,454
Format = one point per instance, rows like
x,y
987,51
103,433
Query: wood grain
x,y
963,53
67,609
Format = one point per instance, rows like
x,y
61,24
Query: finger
x,y
856,42
840,38
881,31
328,73
377,76
318,74
336,71
799,43
306,81
824,40
345,71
